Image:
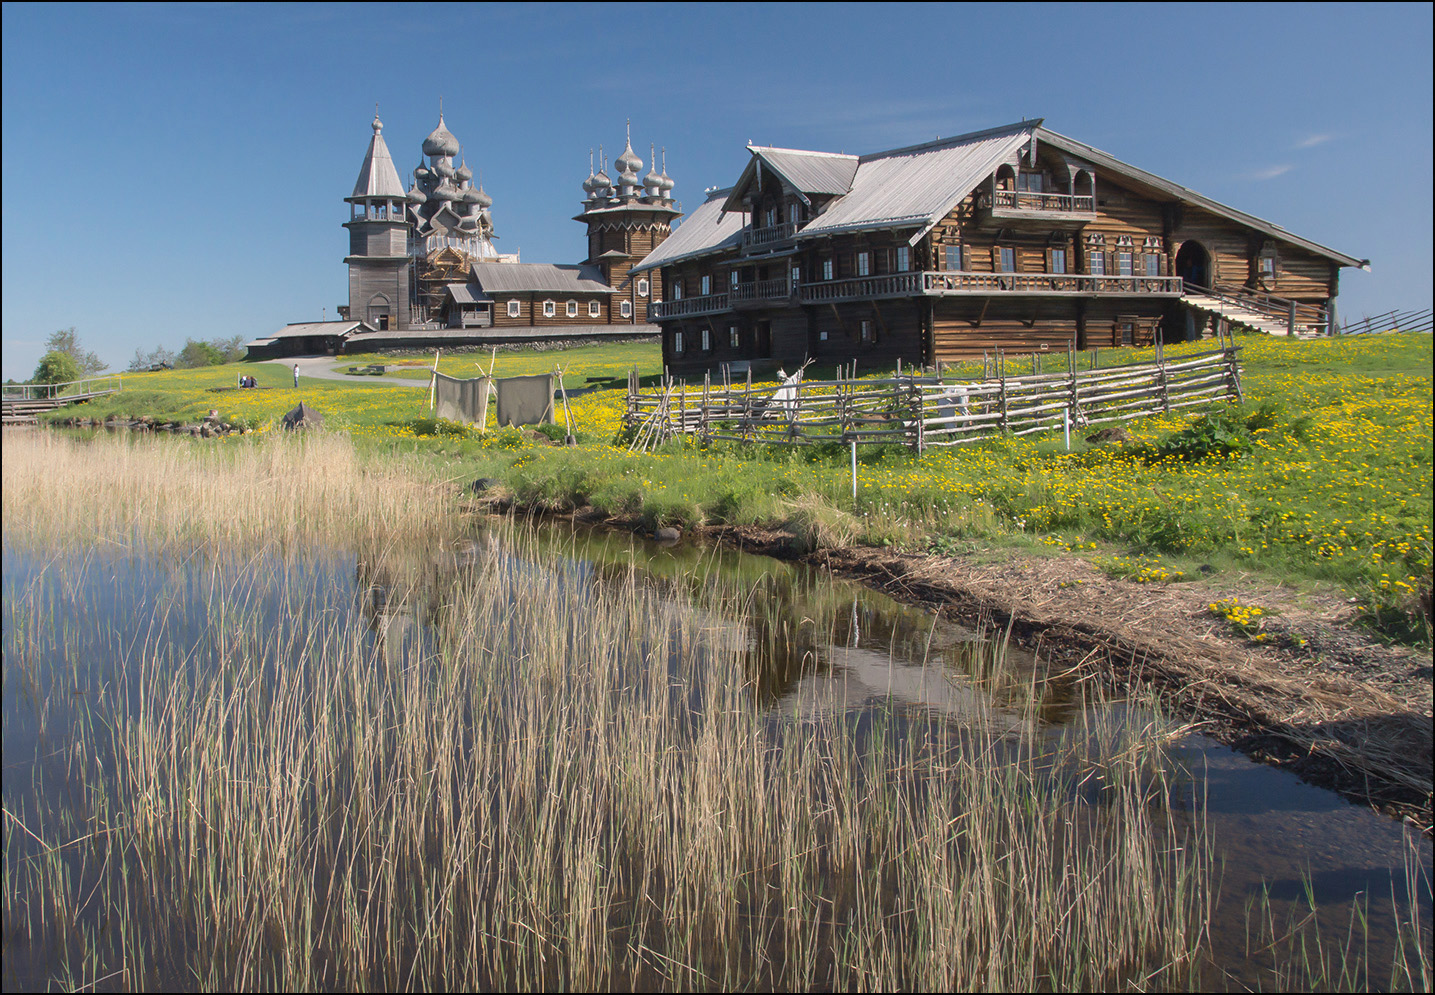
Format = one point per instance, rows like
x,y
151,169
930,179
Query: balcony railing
x,y
862,288
760,239
688,307
759,291
1023,201
956,283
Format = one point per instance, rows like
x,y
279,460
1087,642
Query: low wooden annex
x,y
1015,238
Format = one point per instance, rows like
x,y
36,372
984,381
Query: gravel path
x,y
332,368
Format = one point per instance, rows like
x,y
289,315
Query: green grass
x,y
1330,482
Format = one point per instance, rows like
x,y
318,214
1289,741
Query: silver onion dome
x,y
440,141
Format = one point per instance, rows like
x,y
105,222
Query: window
x,y
1006,259
626,309
1096,262
1058,260
1266,267
594,309
513,309
770,219
866,333
677,341
572,309
796,276
864,264
549,309
1123,264
705,285
707,341
733,336
827,269
642,288
902,259
677,290
952,256
1153,264
794,213
732,278
1030,182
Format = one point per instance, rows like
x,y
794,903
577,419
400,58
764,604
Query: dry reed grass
x,y
238,492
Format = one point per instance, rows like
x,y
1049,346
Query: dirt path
x,y
326,368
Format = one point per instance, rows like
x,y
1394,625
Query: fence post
x,y
1161,378
1290,319
707,395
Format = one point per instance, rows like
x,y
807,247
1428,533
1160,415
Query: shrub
x,y
56,367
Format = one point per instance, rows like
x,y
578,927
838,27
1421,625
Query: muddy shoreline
x,y
1326,701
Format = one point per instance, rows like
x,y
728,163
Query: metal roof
x,y
806,172
507,278
462,293
707,230
1109,162
919,185
378,177
316,328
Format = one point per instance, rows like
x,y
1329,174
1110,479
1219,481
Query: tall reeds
x,y
554,783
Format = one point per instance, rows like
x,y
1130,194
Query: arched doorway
x,y
1193,264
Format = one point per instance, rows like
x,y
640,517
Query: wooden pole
x,y
433,380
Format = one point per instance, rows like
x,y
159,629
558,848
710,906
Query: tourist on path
x,y
296,374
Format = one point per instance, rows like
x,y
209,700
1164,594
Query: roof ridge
x,y
778,148
1029,123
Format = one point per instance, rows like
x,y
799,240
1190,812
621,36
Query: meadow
x,y
1333,485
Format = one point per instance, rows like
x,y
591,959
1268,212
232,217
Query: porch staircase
x,y
1271,315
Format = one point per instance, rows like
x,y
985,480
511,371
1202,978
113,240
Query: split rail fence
x,y
926,411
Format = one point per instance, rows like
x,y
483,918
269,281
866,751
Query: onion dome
x,y
628,162
421,173
482,199
653,183
666,180
378,125
445,191
444,169
591,183
440,141
463,173
415,196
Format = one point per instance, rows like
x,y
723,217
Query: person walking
x,y
296,374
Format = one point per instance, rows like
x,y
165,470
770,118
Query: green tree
x,y
195,354
67,341
56,367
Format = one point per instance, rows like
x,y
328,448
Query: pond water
x,y
811,647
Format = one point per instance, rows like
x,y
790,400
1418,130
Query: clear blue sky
x,y
174,171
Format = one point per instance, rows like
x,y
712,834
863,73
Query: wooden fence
x,y
925,411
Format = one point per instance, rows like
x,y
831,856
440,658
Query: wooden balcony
x,y
688,307
953,284
958,284
1061,210
862,288
767,239
761,293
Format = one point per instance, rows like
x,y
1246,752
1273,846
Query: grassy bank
x,y
1331,482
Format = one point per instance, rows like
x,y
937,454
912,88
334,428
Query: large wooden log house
x,y
1016,238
